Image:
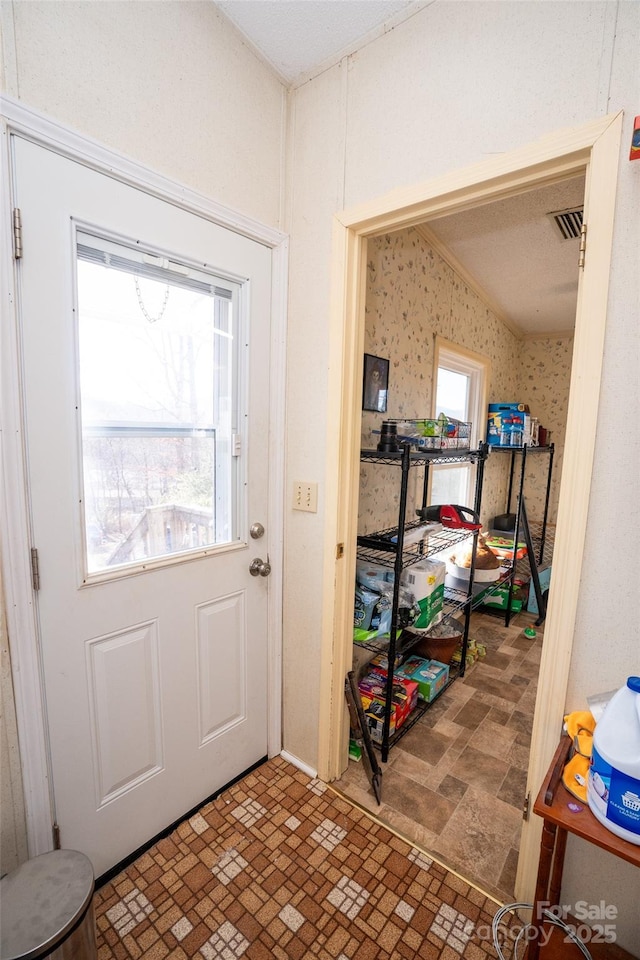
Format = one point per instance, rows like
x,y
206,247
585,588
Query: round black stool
x,y
46,909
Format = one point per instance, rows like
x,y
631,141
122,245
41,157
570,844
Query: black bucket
x,y
504,521
389,442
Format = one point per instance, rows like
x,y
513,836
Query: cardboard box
x,y
373,689
404,691
508,423
381,662
430,675
374,715
499,599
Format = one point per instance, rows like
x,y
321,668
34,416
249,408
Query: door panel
x,y
123,669
221,667
155,675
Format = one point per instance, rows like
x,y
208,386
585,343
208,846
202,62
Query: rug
x,y
280,865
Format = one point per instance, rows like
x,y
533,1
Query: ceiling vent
x,y
568,222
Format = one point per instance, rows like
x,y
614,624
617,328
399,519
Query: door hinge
x,y
17,234
339,551
35,569
583,245
526,807
236,445
56,837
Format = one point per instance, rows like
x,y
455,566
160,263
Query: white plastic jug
x,y
613,788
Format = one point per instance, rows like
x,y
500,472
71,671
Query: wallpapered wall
x,y
412,296
544,380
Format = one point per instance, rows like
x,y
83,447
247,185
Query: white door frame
x,y
21,610
595,148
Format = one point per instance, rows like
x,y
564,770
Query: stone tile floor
x,y
455,784
280,865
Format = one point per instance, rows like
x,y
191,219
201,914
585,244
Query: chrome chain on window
x,y
144,309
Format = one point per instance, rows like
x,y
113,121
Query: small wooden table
x,y
563,814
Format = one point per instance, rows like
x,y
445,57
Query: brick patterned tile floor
x,y
280,865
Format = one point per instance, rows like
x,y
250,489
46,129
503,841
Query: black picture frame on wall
x,y
375,383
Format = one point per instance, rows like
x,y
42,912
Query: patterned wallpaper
x,y
544,381
412,297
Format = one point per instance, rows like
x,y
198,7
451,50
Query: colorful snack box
x,y
380,662
404,690
430,675
373,690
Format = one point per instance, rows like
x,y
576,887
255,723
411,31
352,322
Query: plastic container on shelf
x,y
613,788
441,433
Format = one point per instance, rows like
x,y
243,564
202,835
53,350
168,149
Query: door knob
x,y
260,568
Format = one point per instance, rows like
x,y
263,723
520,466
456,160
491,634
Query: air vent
x,y
568,222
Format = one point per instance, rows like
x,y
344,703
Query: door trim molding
x,y
21,613
23,120
594,147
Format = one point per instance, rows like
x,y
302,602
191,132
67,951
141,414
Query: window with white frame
x,y
460,390
157,349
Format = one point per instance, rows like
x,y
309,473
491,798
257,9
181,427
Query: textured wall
x,y
458,83
413,295
544,374
173,86
170,84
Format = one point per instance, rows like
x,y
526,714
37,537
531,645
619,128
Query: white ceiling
x,y
300,37
509,250
517,256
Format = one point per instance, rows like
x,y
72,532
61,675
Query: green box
x,y
499,599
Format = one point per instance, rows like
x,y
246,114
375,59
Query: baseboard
x,y
290,758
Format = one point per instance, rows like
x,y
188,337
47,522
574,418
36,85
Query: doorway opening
x,y
592,149
465,761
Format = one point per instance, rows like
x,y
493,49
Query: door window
x,y
157,350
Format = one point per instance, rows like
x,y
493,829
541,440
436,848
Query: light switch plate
x,y
305,496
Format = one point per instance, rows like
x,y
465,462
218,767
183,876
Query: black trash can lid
x,y
41,901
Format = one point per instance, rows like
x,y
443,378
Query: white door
x,y
145,338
